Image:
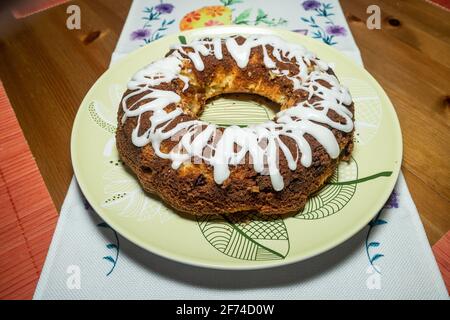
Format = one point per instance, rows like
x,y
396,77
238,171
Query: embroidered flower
x,y
392,201
211,23
164,8
214,11
310,5
191,16
140,34
184,25
336,30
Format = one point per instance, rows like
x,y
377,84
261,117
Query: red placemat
x,y
441,251
27,8
28,216
444,4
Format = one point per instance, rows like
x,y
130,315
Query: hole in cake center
x,y
240,109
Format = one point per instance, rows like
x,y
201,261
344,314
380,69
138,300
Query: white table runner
x,y
391,259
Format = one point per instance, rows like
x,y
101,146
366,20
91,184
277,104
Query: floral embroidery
x,y
323,12
111,246
227,3
153,14
140,34
215,11
115,247
301,31
206,17
374,244
191,16
184,25
211,23
377,221
224,15
336,30
392,201
164,8
311,5
261,18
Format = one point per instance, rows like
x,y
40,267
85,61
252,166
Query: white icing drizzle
x,y
261,142
218,48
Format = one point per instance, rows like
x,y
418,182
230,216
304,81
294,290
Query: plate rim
x,y
167,254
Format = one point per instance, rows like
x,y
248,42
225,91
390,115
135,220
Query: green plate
x,y
357,192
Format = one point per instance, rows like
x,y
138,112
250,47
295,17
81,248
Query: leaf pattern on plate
x,y
258,238
332,198
238,109
124,196
104,114
99,118
368,111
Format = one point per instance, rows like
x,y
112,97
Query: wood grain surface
x,y
47,69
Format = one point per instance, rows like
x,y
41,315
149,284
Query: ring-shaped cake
x,y
202,168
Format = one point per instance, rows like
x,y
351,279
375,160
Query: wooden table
x,y
47,69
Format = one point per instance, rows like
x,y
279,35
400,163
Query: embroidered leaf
x,y
281,22
373,244
157,36
243,17
109,258
376,257
103,225
261,15
378,222
111,246
230,2
258,238
332,198
182,39
329,40
317,35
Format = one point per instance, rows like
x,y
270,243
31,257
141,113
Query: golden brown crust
x,y
191,188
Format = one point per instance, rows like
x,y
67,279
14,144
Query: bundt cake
x,y
202,168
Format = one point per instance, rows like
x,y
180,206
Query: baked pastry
x,y
201,168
